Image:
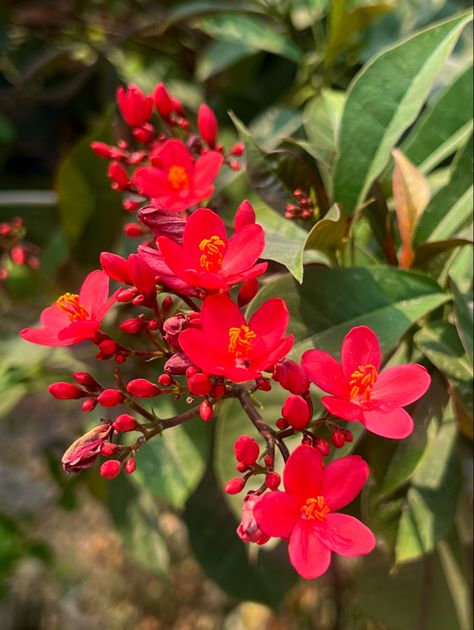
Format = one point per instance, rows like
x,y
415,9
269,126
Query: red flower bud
x,y
338,438
124,423
167,303
86,380
268,461
272,480
18,255
234,165
246,450
247,292
218,391
89,404
130,465
191,371
163,103
65,391
142,388
244,216
108,449
206,411
238,149
241,467
108,346
248,530
291,376
110,398
103,150
117,173
295,410
348,436
135,107
126,295
263,384
110,469
282,424
132,230
323,446
144,134
199,385
165,380
207,123
132,326
235,485
84,451
130,205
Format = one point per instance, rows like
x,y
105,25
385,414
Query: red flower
x,y
177,181
305,513
74,318
207,259
359,393
248,530
133,271
135,107
226,345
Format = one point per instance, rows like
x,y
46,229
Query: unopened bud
x,y
199,385
65,391
108,346
167,303
247,292
206,411
165,380
322,446
296,412
263,384
86,380
110,469
132,326
291,376
268,461
124,423
348,436
238,149
130,465
246,450
282,424
218,391
207,123
126,295
108,449
110,398
89,404
132,230
235,485
142,388
338,438
272,480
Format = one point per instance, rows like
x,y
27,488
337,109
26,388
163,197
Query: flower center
x,y
70,305
178,177
240,341
362,381
212,256
315,508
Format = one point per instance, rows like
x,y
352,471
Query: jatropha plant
x,y
191,278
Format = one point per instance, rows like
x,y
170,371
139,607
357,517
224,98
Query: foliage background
x,y
159,551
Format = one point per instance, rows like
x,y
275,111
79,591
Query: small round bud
x,y
86,380
199,385
65,391
338,438
282,424
89,404
218,391
263,384
241,467
322,446
268,461
126,295
110,398
348,436
296,412
124,423
130,465
108,346
110,469
132,230
165,380
235,485
108,449
132,326
307,440
142,388
238,149
191,371
206,411
246,450
167,303
272,480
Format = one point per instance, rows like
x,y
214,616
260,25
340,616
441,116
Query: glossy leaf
x,y
463,315
440,342
383,100
322,119
327,234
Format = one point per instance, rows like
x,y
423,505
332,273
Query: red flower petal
x,y
79,331
152,182
243,250
176,258
343,479
325,372
115,267
303,473
343,409
218,314
209,357
308,555
395,424
94,292
276,514
401,385
347,536
142,276
206,169
268,359
244,216
269,322
174,153
201,225
53,318
204,279
44,337
253,272
360,347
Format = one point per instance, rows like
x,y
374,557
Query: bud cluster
x,y
304,207
14,248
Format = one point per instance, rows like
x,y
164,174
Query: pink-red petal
x,y
209,357
269,322
303,474
201,225
343,409
395,424
44,337
115,267
401,385
94,292
174,153
218,314
53,318
276,514
307,554
206,169
79,331
325,372
243,250
152,182
346,535
360,347
343,479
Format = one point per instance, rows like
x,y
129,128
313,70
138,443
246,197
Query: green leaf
x,y
383,100
219,56
265,576
273,125
463,314
172,466
451,207
254,32
322,120
327,234
426,252
191,9
458,584
432,497
439,341
443,127
91,212
331,301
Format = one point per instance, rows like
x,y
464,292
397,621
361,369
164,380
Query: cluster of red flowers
x,y
13,247
210,350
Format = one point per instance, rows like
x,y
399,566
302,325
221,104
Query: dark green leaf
x,y
322,120
440,342
218,56
464,318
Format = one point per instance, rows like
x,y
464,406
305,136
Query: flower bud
x,y
246,450
108,449
163,103
134,106
86,380
89,404
268,461
234,165
130,205
144,134
206,411
65,391
165,380
282,424
272,480
247,292
291,376
130,465
207,124
118,175
235,485
322,446
84,451
108,346
167,303
110,398
218,391
248,529
142,388
126,295
18,255
132,326
238,149
132,230
177,364
263,384
348,436
172,328
103,150
199,384
110,469
296,412
338,438
124,423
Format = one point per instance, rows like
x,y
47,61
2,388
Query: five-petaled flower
x,y
226,345
73,318
359,393
207,259
177,181
305,514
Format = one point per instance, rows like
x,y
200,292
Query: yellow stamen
x,y
240,341
178,177
315,508
70,305
361,382
212,257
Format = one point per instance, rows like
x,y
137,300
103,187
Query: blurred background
x,y
78,552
